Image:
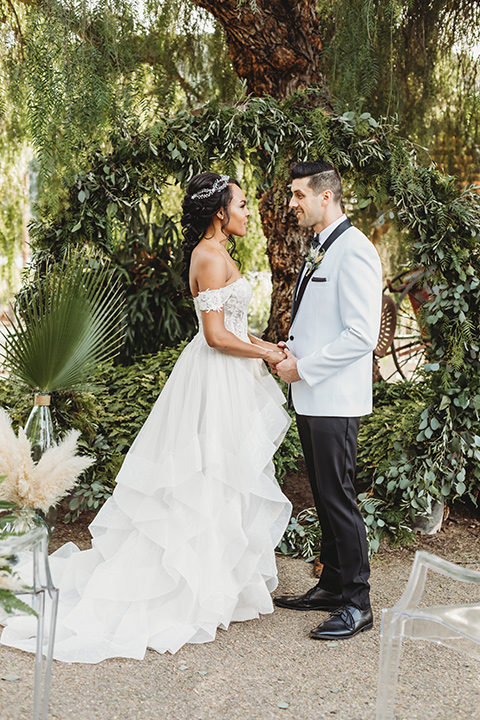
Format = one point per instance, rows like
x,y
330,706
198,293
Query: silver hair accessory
x,y
219,184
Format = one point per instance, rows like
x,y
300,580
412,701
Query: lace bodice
x,y
234,300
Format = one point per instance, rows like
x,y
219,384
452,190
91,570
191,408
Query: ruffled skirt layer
x,y
185,545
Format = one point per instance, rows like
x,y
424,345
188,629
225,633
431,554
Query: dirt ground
x,y
269,668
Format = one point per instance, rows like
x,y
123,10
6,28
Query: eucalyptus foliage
x,y
67,320
266,133
442,460
303,536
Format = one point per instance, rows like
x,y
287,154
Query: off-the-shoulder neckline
x,y
221,288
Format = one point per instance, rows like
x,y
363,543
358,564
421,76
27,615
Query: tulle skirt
x,y
185,545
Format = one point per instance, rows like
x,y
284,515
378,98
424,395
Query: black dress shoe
x,y
345,622
314,599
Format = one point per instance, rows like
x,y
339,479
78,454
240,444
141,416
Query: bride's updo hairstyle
x,y
206,194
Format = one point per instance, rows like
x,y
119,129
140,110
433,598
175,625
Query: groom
x,y
334,329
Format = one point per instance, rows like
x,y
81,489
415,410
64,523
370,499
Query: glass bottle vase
x,y
39,427
22,520
39,431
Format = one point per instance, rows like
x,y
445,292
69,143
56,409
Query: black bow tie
x,y
316,240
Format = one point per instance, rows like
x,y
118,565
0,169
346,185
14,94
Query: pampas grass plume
x,y
10,581
43,484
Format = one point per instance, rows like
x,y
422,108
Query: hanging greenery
x,y
439,456
440,452
264,132
415,60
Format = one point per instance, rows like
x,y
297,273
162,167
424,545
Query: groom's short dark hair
x,y
323,176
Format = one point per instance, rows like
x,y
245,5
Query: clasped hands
x,y
285,368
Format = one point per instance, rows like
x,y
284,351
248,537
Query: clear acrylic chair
x,y
13,546
455,626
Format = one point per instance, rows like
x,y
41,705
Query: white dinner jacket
x,y
336,329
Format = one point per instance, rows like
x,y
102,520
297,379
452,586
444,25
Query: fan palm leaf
x,y
66,322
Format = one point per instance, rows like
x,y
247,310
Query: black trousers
x,y
330,449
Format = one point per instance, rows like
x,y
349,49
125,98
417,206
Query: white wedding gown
x,y
185,545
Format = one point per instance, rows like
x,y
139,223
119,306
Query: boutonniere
x,y
314,258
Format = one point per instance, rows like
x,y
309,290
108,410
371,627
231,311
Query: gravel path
x,y
267,669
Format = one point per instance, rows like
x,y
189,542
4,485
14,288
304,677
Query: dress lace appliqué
x,y
234,300
210,300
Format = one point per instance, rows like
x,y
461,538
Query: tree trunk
x,y
276,50
286,245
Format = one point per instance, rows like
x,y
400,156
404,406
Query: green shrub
x,y
417,447
395,419
148,263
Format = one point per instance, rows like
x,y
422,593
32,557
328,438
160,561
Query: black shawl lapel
x,y
297,297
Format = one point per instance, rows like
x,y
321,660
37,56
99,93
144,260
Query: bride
x,y
185,545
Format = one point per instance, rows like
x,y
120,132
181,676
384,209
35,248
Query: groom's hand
x,y
287,369
282,346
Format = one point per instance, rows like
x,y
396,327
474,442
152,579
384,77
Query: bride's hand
x,y
270,347
274,356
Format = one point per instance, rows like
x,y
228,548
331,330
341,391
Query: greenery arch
x,y
422,444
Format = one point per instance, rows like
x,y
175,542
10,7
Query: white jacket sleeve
x,y
360,303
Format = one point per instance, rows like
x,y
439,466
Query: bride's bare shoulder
x,y
206,252
208,263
